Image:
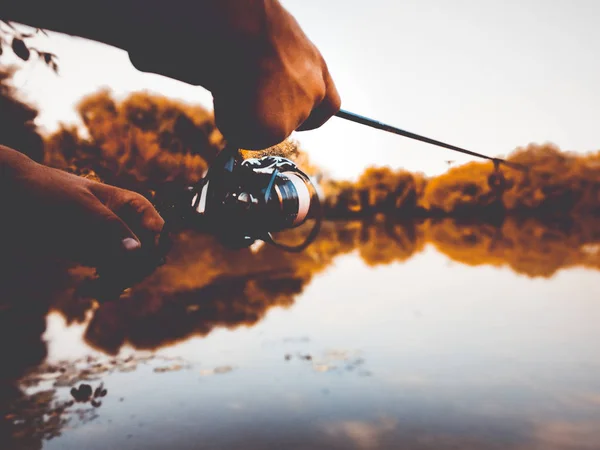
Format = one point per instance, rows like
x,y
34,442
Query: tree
x,y
17,128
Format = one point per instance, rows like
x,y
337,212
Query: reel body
x,y
242,201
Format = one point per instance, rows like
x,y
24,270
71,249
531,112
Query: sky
x,y
486,76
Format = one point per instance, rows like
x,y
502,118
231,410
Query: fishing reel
x,y
242,201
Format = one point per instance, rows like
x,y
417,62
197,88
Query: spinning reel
x,y
242,201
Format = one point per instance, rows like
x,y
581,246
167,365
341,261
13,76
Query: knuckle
x,y
132,199
336,101
274,132
138,200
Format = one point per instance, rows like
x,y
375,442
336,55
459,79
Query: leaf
x,y
7,22
20,49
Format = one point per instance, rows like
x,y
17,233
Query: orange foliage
x,y
143,141
378,189
558,182
462,186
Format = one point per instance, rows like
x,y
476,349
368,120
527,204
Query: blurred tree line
x,y
557,183
144,142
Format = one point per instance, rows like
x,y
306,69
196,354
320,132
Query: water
x,y
449,337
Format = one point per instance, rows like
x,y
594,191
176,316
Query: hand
x,y
51,212
283,86
267,78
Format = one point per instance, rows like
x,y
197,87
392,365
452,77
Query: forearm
x,y
220,29
99,21
12,163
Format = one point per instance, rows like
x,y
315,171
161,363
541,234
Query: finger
x,y
330,105
121,256
131,207
93,236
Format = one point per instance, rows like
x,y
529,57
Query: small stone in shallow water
x,y
173,368
217,370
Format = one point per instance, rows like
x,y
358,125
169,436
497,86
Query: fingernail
x,y
130,244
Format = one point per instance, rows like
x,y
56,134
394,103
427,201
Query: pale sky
x,y
487,76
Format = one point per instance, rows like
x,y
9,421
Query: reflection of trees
x,y
227,302
388,242
204,286
527,246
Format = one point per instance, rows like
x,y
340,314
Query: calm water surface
x,y
426,353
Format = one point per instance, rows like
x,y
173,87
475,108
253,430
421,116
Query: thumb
x,y
114,239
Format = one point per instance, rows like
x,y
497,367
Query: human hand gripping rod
x,y
382,126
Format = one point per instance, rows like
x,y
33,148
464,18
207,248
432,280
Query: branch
x,y
21,50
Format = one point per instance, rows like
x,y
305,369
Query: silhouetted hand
x,y
267,78
52,212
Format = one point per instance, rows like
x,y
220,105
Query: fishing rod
x,y
382,126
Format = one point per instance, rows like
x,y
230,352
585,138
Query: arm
x,y
144,26
267,78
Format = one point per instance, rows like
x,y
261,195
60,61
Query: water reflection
x,y
203,289
35,411
204,286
